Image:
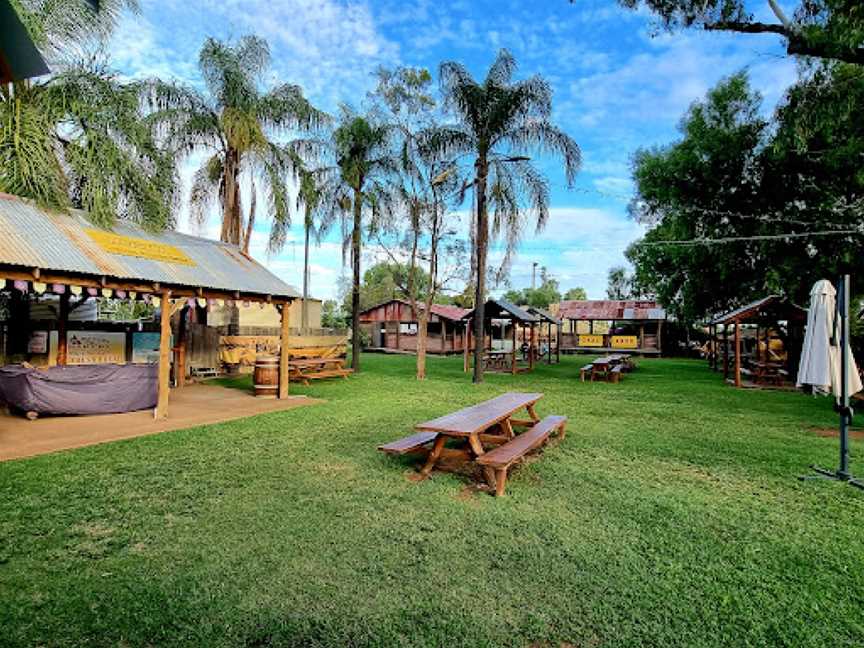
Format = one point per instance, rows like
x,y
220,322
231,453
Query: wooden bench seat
x,y
408,444
585,371
502,457
615,373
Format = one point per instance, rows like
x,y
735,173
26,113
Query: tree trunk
x,y
355,283
422,336
231,208
304,313
482,242
251,222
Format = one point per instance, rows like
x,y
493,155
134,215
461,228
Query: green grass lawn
x,y
669,516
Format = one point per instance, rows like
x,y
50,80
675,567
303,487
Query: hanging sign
x,y
38,342
95,347
625,341
590,340
138,247
145,347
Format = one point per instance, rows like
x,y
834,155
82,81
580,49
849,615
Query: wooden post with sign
x,y
164,355
283,350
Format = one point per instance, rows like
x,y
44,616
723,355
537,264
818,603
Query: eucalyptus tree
x,y
79,138
499,122
426,181
236,123
355,165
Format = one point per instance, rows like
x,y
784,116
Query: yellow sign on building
x,y
138,247
625,341
590,340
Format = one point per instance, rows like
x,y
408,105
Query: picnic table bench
x,y
490,423
306,369
609,368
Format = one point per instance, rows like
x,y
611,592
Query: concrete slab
x,y
190,406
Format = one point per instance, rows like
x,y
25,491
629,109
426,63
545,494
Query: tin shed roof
x,y
610,309
34,237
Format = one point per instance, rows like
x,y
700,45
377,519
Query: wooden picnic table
x,y
768,372
474,424
306,369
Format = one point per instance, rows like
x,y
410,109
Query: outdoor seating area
x,y
608,368
475,428
764,345
504,354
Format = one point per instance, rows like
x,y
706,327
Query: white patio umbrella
x,y
820,357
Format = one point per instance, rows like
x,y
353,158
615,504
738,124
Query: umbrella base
x,y
823,473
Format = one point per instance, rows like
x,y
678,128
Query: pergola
x,y
502,310
764,313
46,252
550,319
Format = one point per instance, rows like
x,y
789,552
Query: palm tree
x,y
79,138
498,122
309,196
235,122
355,182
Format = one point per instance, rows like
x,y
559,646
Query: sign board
x,y
138,247
145,348
590,340
38,342
625,341
95,347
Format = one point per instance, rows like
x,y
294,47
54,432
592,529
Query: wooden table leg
x,y
437,447
532,413
507,428
477,449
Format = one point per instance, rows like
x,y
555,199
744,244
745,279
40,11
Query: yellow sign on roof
x,y
138,247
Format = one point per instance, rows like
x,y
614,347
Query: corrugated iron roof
x,y
445,311
773,302
610,309
543,314
33,237
503,309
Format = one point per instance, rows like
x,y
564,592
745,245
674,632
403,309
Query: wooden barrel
x,y
266,376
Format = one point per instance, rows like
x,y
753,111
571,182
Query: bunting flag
x,y
120,294
58,288
190,302
107,292
92,292
221,302
39,287
132,294
147,298
20,285
75,290
202,302
2,283
156,302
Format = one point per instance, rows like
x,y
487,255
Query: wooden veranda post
x,y
737,353
465,339
62,325
513,360
725,350
283,350
531,348
164,355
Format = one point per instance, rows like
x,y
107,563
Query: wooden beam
x,y
62,326
513,359
283,351
164,355
725,350
737,353
466,337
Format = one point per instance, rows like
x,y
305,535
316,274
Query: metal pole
x,y
843,308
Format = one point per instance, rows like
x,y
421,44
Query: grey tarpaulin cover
x,y
90,389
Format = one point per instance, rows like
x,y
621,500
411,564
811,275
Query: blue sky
x,y
616,87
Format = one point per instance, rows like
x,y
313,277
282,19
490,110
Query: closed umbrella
x,y
827,363
820,358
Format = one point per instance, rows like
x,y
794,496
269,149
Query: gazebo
x,y
765,317
505,315
44,252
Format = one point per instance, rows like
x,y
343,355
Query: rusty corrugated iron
x,y
610,309
33,237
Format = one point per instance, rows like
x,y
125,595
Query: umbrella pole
x,y
842,473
